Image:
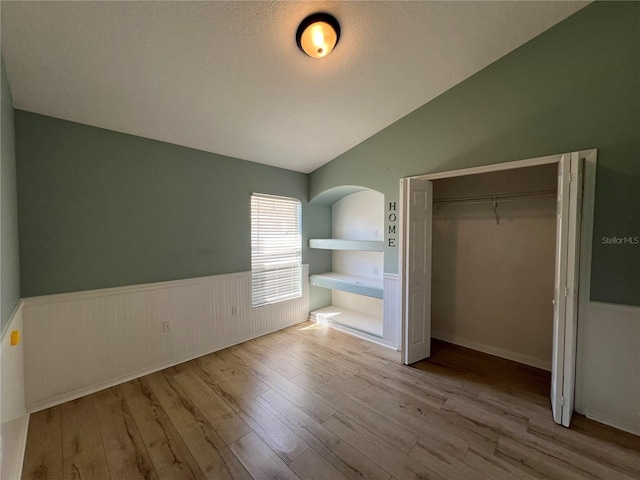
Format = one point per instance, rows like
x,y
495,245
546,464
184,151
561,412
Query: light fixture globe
x,y
318,34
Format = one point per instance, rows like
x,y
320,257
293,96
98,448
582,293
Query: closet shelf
x,y
369,287
495,197
353,320
342,244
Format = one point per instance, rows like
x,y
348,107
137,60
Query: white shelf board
x,y
369,287
338,316
342,244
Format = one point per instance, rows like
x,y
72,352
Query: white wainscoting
x,y
608,365
15,419
392,314
82,342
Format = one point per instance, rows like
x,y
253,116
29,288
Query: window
x,y
276,246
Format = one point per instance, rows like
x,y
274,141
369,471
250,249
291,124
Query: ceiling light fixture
x,y
318,34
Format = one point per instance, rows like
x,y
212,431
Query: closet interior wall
x,y
493,264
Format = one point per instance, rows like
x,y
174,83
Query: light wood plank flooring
x,y
313,403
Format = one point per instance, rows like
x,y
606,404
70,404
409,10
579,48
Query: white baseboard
x,y
13,415
621,422
491,350
83,342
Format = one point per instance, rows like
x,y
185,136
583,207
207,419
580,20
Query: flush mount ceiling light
x,y
318,34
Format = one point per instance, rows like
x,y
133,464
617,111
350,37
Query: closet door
x,y
570,170
418,203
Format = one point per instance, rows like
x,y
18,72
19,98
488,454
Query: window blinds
x,y
276,249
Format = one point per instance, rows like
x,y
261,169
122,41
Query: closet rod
x,y
498,197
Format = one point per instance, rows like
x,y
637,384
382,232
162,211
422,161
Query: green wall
x,y
9,256
576,86
102,209
99,208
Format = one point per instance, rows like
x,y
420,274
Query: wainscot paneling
x,y
14,417
392,321
608,366
82,342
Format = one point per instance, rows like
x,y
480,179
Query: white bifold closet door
x,y
417,202
565,301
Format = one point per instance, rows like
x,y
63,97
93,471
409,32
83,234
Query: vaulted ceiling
x,y
228,78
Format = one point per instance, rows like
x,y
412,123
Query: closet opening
x,y
493,253
496,259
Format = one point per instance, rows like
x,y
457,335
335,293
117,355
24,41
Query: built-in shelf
x,y
339,316
369,287
342,244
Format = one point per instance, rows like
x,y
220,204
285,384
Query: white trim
x,y
494,167
143,287
498,352
106,292
14,417
81,392
402,257
584,287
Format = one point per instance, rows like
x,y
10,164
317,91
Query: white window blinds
x,y
276,249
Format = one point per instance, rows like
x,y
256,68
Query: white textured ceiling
x,y
227,77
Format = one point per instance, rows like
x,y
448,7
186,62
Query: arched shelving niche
x,y
356,279
332,195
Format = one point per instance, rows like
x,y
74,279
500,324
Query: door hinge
x,y
561,401
566,292
569,177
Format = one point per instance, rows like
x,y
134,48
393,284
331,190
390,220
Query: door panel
x,y
559,300
417,333
565,301
417,341
573,274
418,233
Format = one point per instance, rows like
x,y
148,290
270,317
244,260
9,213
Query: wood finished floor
x,y
313,403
